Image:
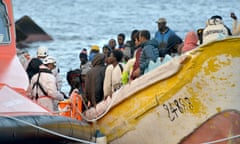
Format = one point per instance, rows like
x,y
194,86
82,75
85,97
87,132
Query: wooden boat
x,y
21,119
171,103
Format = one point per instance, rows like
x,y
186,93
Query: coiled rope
x,y
50,131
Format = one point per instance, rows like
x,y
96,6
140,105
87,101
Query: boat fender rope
x,y
50,131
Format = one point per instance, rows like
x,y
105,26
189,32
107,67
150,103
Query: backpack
x,y
33,67
121,67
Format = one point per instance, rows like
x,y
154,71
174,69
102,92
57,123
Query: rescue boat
x,y
21,119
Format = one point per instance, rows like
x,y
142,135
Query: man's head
x,y
144,35
121,39
137,39
116,56
162,22
106,50
50,62
112,44
83,56
134,34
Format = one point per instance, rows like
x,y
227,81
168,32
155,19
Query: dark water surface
x,y
75,24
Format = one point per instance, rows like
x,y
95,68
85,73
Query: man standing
x,y
43,86
121,40
149,52
162,36
94,80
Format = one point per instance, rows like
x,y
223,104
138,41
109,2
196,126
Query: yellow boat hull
x,y
204,82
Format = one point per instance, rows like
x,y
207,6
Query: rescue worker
x,y
43,87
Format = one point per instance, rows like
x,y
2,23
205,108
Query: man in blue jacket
x,y
162,36
149,51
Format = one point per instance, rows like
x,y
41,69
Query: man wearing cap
x,y
162,36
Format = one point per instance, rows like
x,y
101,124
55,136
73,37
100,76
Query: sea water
x,y
77,24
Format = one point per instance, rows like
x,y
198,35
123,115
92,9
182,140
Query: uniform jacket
x,y
48,83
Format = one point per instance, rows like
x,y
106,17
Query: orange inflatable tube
x,y
76,103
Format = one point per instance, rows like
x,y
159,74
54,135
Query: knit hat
x,y
95,48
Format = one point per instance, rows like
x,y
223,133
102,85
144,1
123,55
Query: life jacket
x,y
37,84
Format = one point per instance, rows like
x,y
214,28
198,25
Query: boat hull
x,y
169,109
42,128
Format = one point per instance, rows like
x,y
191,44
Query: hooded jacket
x,y
94,80
149,52
190,41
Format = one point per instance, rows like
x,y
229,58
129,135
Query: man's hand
x,y
137,72
233,16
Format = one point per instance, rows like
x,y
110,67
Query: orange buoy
x,y
65,108
76,101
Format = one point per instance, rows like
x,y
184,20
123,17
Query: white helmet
x,y
49,60
42,51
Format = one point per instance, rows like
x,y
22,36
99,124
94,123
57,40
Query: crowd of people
x,y
102,72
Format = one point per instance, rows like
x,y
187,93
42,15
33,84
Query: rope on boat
x,y
50,131
221,140
98,117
